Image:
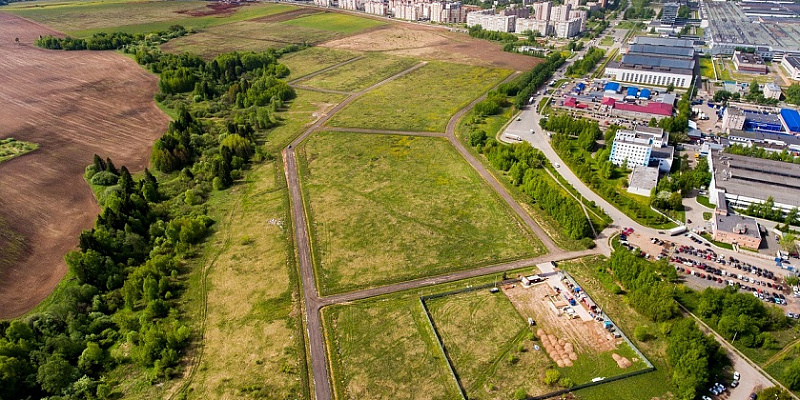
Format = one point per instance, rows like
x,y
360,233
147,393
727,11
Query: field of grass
x,y
301,112
389,208
10,148
423,100
313,59
488,343
383,349
607,41
706,68
361,74
600,286
84,18
334,22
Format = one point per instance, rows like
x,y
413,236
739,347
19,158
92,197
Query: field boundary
x,y
462,390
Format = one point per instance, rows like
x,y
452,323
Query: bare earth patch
x,y
74,104
434,44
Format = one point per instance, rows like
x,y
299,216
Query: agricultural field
x,y
314,59
93,103
10,148
84,18
252,342
301,112
273,31
389,208
360,74
438,91
490,345
384,349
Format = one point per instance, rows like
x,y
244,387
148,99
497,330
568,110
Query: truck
x,y
677,230
513,137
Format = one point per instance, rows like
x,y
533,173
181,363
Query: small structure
x,y
643,180
791,120
644,94
772,91
736,229
749,62
612,88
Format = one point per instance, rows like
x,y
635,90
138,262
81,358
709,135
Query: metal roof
x,y
675,52
657,61
791,118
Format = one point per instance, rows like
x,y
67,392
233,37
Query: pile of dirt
x,y
622,362
561,351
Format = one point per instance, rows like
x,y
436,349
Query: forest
x,y
122,306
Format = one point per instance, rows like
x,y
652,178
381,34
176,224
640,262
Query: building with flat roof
x,y
642,180
656,61
772,91
736,229
643,146
791,120
772,142
734,118
747,62
534,25
766,28
490,21
792,66
749,180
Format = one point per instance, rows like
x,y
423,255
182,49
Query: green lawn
x,y
84,18
423,100
313,59
706,67
703,200
10,148
389,208
334,22
488,343
361,74
383,349
607,41
301,112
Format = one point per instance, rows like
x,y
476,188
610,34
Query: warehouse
x,y
656,61
746,62
747,180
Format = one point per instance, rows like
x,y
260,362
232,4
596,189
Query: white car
x,y
736,376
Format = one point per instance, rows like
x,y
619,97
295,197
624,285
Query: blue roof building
x,y
632,91
644,94
580,86
791,119
612,87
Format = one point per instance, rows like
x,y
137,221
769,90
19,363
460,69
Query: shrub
x,y
642,333
566,383
104,178
89,172
551,377
520,394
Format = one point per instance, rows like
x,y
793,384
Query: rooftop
x,y
738,224
729,23
659,41
645,178
794,61
764,137
757,178
748,58
636,67
664,51
656,61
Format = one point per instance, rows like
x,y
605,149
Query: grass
x,y
703,200
301,112
706,67
423,100
390,208
360,74
599,285
602,68
313,59
722,73
543,104
707,216
10,148
707,236
382,349
487,341
607,41
334,22
84,18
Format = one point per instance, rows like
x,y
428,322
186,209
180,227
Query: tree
x,y
670,88
754,89
791,374
788,243
56,374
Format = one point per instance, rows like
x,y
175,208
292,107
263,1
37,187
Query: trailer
x,y
677,230
513,137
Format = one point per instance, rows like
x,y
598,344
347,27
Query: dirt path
x,y
73,104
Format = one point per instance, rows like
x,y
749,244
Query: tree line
x,y
583,66
760,152
122,307
109,41
526,85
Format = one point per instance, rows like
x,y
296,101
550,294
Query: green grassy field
x,y
423,100
488,343
301,112
383,349
361,74
607,41
390,208
334,22
600,286
313,59
706,68
10,148
84,18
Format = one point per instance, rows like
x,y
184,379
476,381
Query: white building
x,y
643,180
642,146
681,78
792,66
492,22
534,25
580,14
560,13
376,7
567,29
772,91
353,5
324,3
541,10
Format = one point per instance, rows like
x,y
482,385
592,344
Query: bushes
x,y
104,178
583,66
538,76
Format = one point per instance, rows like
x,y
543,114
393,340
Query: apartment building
x,y
534,25
492,22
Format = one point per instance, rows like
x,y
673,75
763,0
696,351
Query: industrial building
x,y
747,62
644,146
656,61
734,118
792,66
767,27
642,180
772,142
736,229
743,181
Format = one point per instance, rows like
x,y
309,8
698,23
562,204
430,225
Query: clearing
x,y
314,59
489,344
10,148
383,349
423,100
360,74
387,208
82,103
347,24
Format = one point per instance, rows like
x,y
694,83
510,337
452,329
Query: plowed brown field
x,y
74,104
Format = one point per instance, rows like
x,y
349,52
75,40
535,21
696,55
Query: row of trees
x,y
526,85
109,41
740,316
760,152
583,66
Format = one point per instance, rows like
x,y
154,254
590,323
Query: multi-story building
x,y
534,25
560,13
519,12
353,5
490,21
749,62
581,15
792,65
567,29
448,12
411,11
742,181
644,146
541,10
324,3
772,91
376,7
